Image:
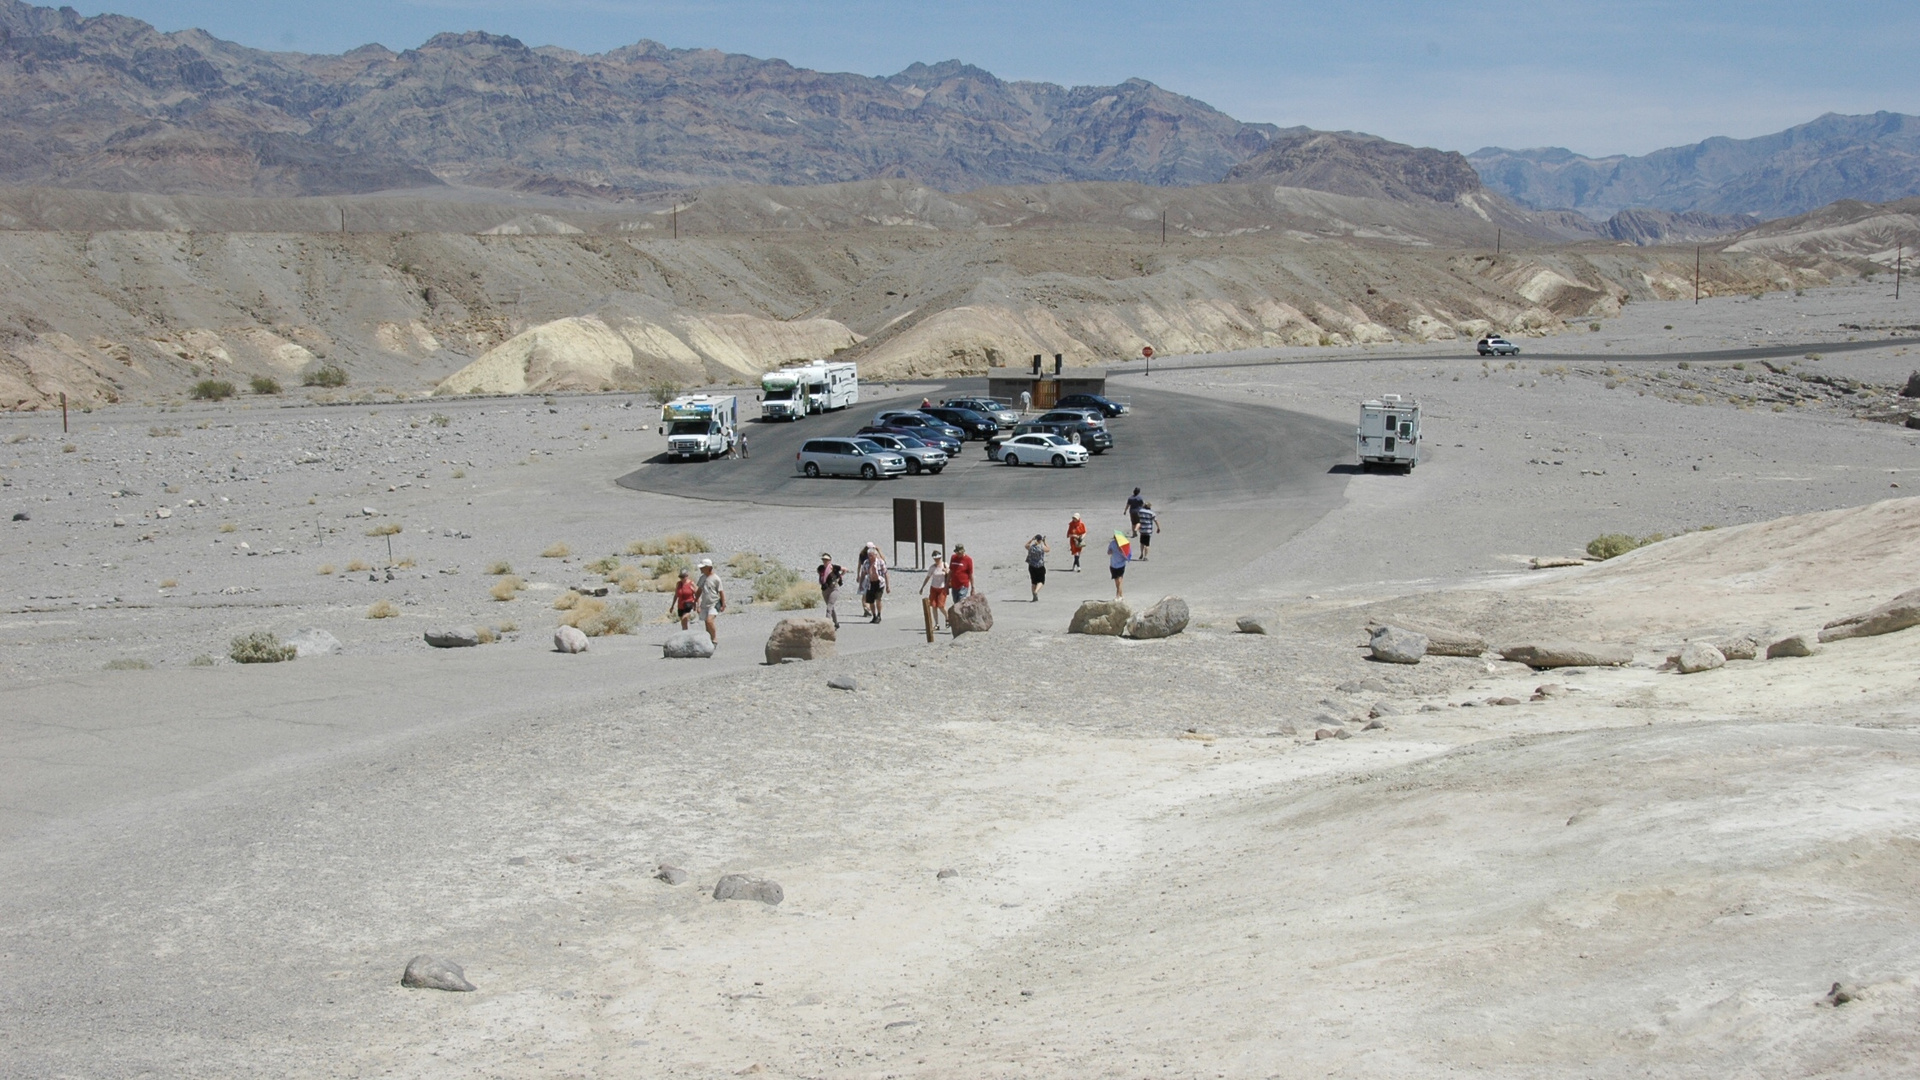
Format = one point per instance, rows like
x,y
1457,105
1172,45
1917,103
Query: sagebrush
x,y
259,647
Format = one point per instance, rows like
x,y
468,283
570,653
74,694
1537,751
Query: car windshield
x,y
688,427
908,442
870,446
780,393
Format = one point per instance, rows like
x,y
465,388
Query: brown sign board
x,y
933,525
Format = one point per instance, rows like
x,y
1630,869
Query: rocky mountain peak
x,y
1347,163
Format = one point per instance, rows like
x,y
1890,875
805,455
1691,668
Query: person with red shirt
x,y
960,573
683,601
1076,539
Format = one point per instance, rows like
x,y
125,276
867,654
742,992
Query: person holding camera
x,y
832,576
1037,563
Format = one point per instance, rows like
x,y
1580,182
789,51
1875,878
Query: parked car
x,y
920,456
849,457
1042,448
913,418
1090,417
1495,345
1096,440
1106,406
1088,431
976,425
997,411
951,444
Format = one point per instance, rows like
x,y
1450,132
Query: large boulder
x,y
569,639
1397,645
1442,640
688,645
1253,624
1554,654
313,641
970,615
1738,647
1698,656
1898,613
453,637
426,973
1164,619
1793,645
1104,617
742,887
801,639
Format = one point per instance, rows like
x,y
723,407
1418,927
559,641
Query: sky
x,y
1599,77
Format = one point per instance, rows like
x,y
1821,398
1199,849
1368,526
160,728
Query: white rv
x,y
832,387
783,394
700,426
1389,433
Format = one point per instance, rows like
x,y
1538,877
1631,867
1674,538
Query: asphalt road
x,y
1196,450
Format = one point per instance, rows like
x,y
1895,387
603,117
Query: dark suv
x,y
1106,406
932,436
974,424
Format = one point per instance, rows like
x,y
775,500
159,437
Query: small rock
x,y
1430,708
801,638
1442,640
1554,654
119,523
688,645
453,637
1162,620
1393,645
1384,708
1738,647
671,874
1698,656
947,873
1841,994
163,512
972,615
1252,624
1375,726
1503,701
569,639
313,641
1795,645
1332,733
1363,686
1896,614
369,511
842,682
21,515
426,973
1549,690
1106,618
742,887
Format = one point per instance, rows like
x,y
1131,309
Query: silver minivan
x,y
849,457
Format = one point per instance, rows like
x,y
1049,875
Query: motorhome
x,y
700,426
783,394
832,387
1389,433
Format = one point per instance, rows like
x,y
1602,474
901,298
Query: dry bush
x,y
597,618
507,627
328,375
164,432
169,584
406,563
263,385
774,582
212,390
69,449
747,563
566,600
630,578
804,594
259,647
604,566
506,587
203,660
666,572
459,474
228,526
383,609
128,665
556,551
326,569
486,635
499,567
679,543
391,528
355,566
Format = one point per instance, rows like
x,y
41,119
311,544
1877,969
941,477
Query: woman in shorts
x,y
936,588
1037,563
683,602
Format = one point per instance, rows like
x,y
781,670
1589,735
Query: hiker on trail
x,y
1117,553
1037,563
1146,525
683,601
743,446
860,579
1076,539
711,598
960,573
1134,503
936,589
874,584
832,576
1026,402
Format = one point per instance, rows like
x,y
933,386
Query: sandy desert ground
x,y
221,870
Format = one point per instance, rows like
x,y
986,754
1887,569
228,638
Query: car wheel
x,y
868,472
1013,459
1059,460
913,467
812,470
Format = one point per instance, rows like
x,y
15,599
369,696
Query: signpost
x,y
919,523
1148,353
906,525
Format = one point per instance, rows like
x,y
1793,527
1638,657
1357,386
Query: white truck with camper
x,y
1389,434
700,426
784,395
831,387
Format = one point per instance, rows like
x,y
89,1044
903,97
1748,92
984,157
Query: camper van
x,y
783,394
1389,433
700,426
831,387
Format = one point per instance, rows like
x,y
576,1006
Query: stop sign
x,y
1147,352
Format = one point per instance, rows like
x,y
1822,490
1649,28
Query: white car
x,y
1039,448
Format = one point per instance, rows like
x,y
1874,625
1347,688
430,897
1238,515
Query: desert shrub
x,y
774,581
486,635
439,419
746,563
355,566
506,587
170,583
128,665
556,551
391,528
566,600
326,569
326,375
499,567
597,618
383,609
406,563
459,474
164,432
212,390
259,647
1611,545
203,660
507,627
804,594
631,578
604,566
679,543
264,385
1594,327
1684,366
228,526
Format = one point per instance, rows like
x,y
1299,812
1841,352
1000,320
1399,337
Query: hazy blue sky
x,y
1600,76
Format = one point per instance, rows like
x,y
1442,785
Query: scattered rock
x,y
842,682
1898,613
1556,654
1698,656
1332,733
1503,701
1162,620
569,639
21,515
1375,726
801,638
313,641
947,873
369,511
1430,707
671,874
1841,994
1794,645
453,637
1554,562
972,615
1912,389
163,513
742,887
1384,708
1107,618
426,973
1738,647
1253,624
1395,645
1363,686
1549,690
688,645
1442,640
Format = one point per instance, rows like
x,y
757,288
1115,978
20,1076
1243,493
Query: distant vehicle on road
x,y
976,425
997,411
1107,407
1389,434
852,456
699,426
921,457
1042,448
1495,345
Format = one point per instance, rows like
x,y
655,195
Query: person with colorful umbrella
x,y
1119,550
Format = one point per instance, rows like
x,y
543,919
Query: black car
x,y
1096,440
974,424
928,435
1107,406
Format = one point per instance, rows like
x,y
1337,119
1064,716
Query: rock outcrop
x,y
1899,613
1162,620
1556,654
1100,617
801,639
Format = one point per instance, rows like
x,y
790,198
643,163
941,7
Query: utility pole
x,y
1696,277
1899,261
1497,234
676,219
1163,228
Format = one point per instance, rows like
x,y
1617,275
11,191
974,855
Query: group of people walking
x,y
874,579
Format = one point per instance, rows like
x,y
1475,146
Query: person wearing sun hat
x,y
711,598
960,573
874,585
1076,539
